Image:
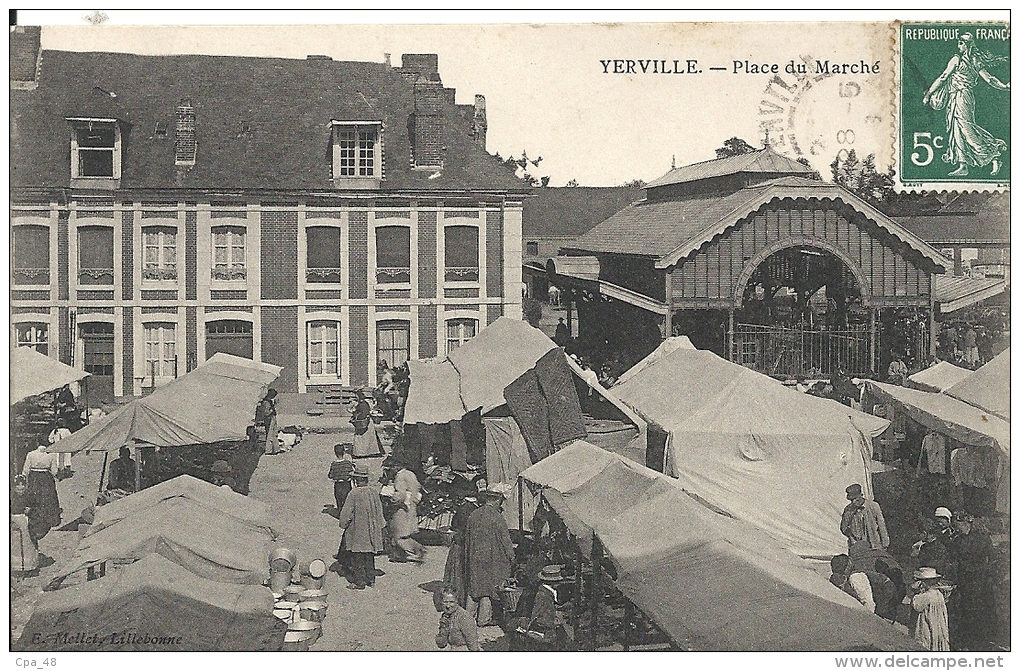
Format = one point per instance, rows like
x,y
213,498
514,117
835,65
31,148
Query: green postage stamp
x,y
954,110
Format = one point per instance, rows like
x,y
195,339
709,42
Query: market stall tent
x,y
214,546
668,345
708,581
987,388
213,403
154,598
963,422
939,376
33,373
477,374
772,456
218,501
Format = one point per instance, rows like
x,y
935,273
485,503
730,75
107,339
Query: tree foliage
x,y
734,146
862,177
532,311
520,168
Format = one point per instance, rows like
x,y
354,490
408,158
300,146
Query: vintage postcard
x,y
330,335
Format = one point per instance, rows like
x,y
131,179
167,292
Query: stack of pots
x,y
300,599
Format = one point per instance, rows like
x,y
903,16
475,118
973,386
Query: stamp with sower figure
x,y
954,106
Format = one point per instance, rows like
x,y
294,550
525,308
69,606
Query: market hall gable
x,y
754,257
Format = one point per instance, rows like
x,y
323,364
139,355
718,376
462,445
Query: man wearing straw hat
x,y
362,521
490,554
931,624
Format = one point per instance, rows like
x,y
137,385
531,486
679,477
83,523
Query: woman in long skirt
x,y
41,495
366,440
24,553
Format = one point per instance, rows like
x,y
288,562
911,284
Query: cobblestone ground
x,y
396,614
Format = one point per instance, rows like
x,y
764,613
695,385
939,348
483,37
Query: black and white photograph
x,y
510,332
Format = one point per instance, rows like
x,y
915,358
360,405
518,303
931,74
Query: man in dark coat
x,y
975,623
122,471
363,522
490,554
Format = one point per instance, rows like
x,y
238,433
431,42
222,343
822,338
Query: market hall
x,y
755,258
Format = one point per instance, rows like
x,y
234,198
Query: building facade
x,y
322,216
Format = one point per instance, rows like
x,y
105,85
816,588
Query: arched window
x,y
323,348
95,255
31,246
34,335
392,342
159,260
323,254
393,254
160,351
229,252
459,331
461,253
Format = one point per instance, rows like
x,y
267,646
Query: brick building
x,y
315,214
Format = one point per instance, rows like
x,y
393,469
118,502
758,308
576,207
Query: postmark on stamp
x,y
953,87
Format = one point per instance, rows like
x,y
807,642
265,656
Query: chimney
x,y
450,95
25,44
387,57
427,144
479,124
185,145
421,64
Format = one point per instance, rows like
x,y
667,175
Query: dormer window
x,y
95,149
357,153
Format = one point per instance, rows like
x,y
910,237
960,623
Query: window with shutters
x,y
461,254
392,342
159,253
323,349
458,332
95,255
31,262
229,253
95,149
34,335
393,255
322,254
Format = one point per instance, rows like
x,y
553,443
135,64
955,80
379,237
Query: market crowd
x,y
949,604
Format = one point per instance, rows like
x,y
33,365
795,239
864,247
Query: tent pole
x,y
138,469
102,473
575,611
628,617
596,585
520,505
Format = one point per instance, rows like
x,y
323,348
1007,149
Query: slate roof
x,y
673,229
972,217
762,161
287,105
571,211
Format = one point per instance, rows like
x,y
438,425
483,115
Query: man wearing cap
x,y
863,523
931,624
221,475
362,521
490,554
874,590
933,549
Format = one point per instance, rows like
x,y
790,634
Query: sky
x,y
546,85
